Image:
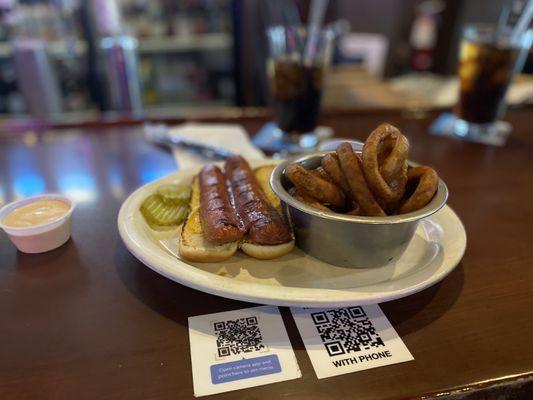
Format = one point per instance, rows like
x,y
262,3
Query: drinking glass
x,y
296,68
488,60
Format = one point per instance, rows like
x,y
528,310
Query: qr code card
x,y
349,339
239,349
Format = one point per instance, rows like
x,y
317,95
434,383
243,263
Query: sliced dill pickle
x,y
175,194
158,213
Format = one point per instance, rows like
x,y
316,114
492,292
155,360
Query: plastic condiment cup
x,y
42,237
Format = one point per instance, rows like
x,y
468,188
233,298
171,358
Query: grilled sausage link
x,y
263,224
220,221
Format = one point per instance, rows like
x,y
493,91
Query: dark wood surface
x,y
89,321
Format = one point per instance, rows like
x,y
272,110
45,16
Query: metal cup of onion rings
x,y
346,240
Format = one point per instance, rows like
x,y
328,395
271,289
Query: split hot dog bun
x,y
194,245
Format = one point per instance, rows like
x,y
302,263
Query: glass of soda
x,y
488,60
296,69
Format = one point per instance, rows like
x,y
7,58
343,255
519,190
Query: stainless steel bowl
x,y
345,240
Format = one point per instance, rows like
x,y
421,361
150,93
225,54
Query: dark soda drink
x,y
485,71
296,90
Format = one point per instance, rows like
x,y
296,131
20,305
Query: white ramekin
x,y
43,237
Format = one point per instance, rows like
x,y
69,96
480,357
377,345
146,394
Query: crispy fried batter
x,y
387,191
356,210
304,197
394,166
330,163
321,173
353,171
427,182
322,190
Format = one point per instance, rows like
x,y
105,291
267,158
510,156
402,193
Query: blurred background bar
x,y
86,60
36,77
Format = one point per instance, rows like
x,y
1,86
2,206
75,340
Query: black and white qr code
x,y
238,336
346,330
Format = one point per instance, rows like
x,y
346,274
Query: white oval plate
x,y
296,279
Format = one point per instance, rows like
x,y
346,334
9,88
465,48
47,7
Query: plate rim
x,y
228,287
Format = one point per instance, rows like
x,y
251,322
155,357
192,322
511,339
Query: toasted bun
x,y
267,252
263,177
193,245
196,248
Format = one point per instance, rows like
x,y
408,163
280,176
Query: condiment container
x,y
42,237
347,240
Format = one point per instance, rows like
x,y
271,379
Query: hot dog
x,y
219,219
263,224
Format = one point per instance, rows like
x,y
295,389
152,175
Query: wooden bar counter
x,y
89,321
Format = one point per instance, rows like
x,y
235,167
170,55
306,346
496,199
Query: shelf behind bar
x,y
154,45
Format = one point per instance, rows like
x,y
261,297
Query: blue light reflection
x,y
78,185
25,172
73,168
152,168
28,184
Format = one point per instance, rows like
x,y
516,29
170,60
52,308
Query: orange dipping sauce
x,y
37,213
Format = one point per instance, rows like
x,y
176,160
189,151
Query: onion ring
x,y
385,149
322,190
322,173
356,210
427,184
386,195
304,197
351,166
330,163
395,164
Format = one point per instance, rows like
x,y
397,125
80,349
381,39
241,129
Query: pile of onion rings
x,y
376,183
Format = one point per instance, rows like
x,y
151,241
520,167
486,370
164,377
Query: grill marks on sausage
x,y
219,219
263,224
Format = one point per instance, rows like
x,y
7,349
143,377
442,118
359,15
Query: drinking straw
x,y
523,21
292,22
283,21
316,16
502,21
292,16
